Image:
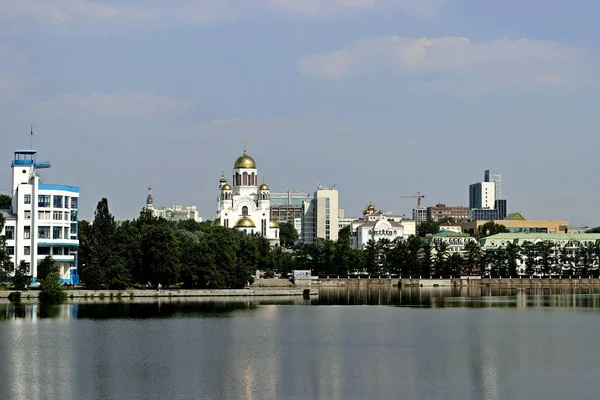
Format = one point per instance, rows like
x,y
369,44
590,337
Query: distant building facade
x,y
375,226
440,211
320,215
42,220
521,226
485,198
455,241
419,215
173,213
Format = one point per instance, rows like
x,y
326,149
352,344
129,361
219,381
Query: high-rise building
x,y
289,198
494,175
320,215
42,220
482,195
419,215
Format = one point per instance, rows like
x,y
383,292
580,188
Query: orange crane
x,y
419,196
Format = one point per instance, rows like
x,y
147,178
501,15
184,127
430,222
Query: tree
x,y
159,253
528,253
428,228
6,264
20,279
46,267
454,264
101,247
446,220
491,228
5,202
473,258
288,235
593,230
441,253
51,290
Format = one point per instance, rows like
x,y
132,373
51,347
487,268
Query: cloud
x,y
502,60
57,12
122,105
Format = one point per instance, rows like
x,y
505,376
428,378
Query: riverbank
x,y
506,283
132,294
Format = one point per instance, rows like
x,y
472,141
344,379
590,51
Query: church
x,y
245,205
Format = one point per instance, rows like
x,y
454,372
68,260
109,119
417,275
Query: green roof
x,y
520,238
515,217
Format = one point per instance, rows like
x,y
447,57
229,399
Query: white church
x,y
245,205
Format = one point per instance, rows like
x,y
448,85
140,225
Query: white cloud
x,y
502,60
122,105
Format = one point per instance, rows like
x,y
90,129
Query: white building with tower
x,y
245,205
173,213
376,225
42,220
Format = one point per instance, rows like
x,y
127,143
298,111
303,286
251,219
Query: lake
x,y
347,344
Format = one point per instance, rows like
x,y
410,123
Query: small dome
x,y
264,186
245,161
370,210
245,222
226,187
223,179
273,224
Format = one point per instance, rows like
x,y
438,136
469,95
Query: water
x,y
377,344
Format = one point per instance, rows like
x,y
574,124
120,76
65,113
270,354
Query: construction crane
x,y
419,196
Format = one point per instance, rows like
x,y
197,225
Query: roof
x,y
519,238
449,234
7,214
515,217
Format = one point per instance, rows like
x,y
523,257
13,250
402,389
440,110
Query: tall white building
x,y
494,175
482,195
42,220
320,215
245,205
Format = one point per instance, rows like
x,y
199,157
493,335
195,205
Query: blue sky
x,y
384,97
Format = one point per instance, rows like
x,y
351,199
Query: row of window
x,y
42,251
56,215
44,200
58,232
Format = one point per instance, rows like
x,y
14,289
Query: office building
x,y
482,195
42,220
320,215
440,211
494,175
289,198
419,215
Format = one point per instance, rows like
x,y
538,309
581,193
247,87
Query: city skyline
x,y
360,93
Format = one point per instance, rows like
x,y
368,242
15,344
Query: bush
x,y
51,290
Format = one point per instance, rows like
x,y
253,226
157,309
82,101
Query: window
x,y
27,232
67,201
66,233
9,232
43,251
44,232
57,215
73,229
245,179
10,250
58,202
27,250
27,199
57,251
57,233
43,201
74,202
66,216
27,214
245,211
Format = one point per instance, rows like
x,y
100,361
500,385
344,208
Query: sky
x,y
384,98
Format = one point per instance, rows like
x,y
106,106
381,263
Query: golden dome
x,y
263,187
245,222
370,210
273,224
226,187
245,161
223,179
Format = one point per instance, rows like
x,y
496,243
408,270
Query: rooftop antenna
x,y
31,135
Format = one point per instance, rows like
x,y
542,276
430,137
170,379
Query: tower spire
x,y
31,136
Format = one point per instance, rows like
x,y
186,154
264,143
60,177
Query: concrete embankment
x,y
258,292
354,282
508,283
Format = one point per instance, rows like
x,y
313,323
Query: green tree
x,y
21,276
545,253
96,272
473,258
159,253
428,228
84,234
5,202
446,220
441,254
513,256
6,264
51,290
528,254
455,263
491,228
288,235
46,267
593,230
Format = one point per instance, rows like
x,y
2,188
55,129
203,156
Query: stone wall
x,y
354,282
524,282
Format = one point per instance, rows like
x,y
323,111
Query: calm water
x,y
378,344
